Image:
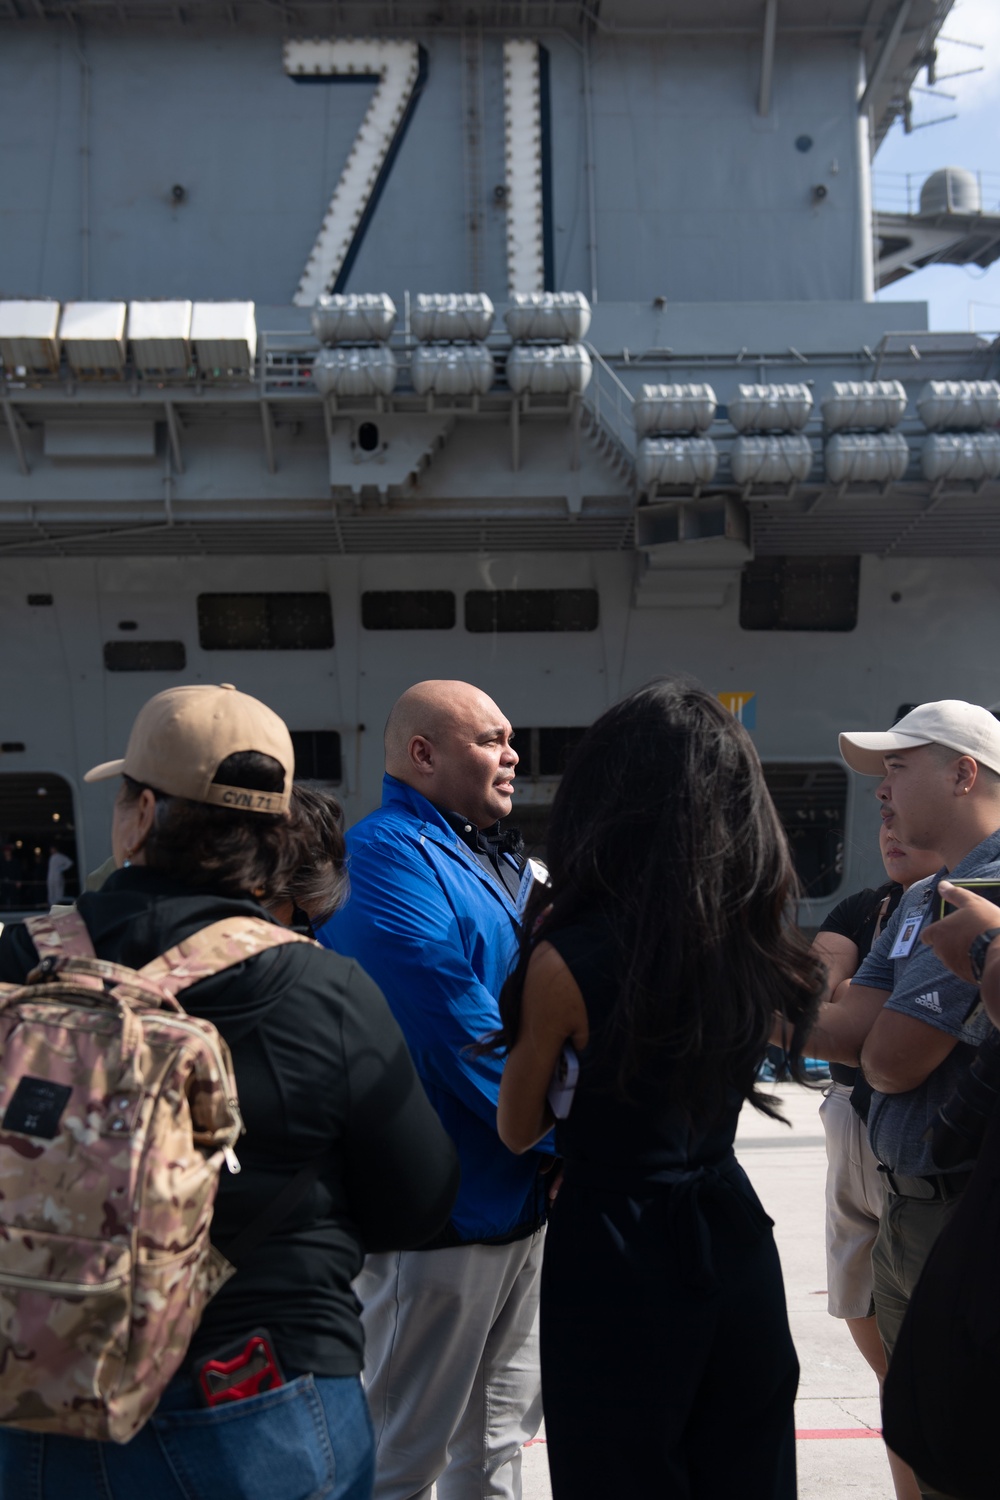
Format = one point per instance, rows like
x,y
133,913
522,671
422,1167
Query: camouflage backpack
x,y
117,1111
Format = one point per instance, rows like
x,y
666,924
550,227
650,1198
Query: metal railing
x,y
899,192
610,403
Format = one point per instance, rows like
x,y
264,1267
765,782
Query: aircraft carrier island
x,y
531,342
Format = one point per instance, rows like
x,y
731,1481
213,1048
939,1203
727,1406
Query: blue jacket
x,y
439,937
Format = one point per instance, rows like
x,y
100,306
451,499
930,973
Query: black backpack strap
x,y
276,1212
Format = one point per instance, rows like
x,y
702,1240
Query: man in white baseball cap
x,y
905,1017
963,727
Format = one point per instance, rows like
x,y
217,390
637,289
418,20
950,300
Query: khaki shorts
x,y
854,1197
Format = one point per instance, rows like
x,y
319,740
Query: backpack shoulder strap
x,y
63,935
215,948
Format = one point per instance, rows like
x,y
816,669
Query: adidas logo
x,y
930,1001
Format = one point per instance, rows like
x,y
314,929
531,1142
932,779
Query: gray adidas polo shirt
x,y
923,988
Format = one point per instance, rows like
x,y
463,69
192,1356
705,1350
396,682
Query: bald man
x,y
451,1364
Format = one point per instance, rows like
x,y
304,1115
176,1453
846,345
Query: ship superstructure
x,y
531,343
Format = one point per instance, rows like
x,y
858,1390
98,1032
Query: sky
x,y
958,297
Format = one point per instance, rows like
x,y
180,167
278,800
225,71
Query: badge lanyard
x,y
909,930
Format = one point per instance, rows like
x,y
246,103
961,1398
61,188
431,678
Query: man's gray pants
x,y
906,1232
451,1368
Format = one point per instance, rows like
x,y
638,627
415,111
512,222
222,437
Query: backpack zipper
x,y
234,1104
60,1288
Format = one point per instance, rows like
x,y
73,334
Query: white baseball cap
x,y
963,727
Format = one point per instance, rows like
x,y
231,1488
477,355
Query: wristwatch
x,y
977,951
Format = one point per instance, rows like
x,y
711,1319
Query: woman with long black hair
x,y
659,955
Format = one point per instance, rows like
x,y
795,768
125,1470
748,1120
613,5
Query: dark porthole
x,y
544,751
265,622
811,801
317,755
37,819
145,656
531,609
408,609
800,593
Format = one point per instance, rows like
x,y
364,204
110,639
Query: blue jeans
x,y
308,1440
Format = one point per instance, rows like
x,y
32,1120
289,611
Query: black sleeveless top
x,y
649,1132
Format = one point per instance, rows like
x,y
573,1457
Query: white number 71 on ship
x,y
396,66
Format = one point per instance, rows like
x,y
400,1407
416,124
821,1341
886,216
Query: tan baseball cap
x,y
181,737
963,727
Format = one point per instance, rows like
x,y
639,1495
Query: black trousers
x,y
668,1368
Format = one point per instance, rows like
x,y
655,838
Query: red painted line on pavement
x,y
838,1432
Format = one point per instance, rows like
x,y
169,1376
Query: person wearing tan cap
x,y
905,1017
324,1078
183,738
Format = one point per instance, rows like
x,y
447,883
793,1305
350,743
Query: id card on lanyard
x,y
909,930
907,936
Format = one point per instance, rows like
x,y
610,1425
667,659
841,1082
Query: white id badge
x,y
907,936
534,871
564,1080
